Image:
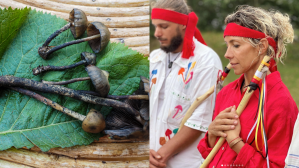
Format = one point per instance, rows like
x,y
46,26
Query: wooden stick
x,y
8,164
129,32
107,3
198,101
195,104
132,41
102,151
43,160
239,111
115,22
142,49
50,103
88,10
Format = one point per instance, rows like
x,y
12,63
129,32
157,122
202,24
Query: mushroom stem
x,y
66,82
56,33
38,70
49,103
38,86
139,97
51,50
115,97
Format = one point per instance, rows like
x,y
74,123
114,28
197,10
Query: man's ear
x,y
263,46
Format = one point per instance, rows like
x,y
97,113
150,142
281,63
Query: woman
x,y
252,33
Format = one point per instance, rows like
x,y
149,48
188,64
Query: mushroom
x,y
86,58
77,24
98,77
93,123
144,86
121,124
98,38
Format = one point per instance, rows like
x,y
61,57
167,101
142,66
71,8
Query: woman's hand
x,y
226,120
234,133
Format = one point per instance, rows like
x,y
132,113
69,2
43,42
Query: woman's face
x,y
242,55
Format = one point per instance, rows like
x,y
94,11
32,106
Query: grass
x,y
289,71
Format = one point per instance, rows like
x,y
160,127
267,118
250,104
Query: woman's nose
x,y
228,54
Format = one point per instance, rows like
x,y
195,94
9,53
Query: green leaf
x,y
25,121
11,21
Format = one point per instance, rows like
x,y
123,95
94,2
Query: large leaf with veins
x,y
25,122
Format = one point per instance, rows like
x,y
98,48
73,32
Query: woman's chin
x,y
236,72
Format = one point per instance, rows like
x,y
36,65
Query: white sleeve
x,y
205,78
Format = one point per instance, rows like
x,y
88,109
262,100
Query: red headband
x,y
233,29
189,20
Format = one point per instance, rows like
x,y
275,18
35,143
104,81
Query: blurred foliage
x,y
211,13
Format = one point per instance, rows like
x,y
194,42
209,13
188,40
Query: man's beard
x,y
175,42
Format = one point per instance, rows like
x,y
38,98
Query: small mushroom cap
x,y
79,22
98,44
94,122
99,80
90,58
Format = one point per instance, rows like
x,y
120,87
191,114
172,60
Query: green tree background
x,y
211,14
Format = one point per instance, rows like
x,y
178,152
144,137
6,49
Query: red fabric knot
x,y
191,30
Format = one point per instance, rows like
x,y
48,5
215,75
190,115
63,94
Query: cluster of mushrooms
x,y
130,114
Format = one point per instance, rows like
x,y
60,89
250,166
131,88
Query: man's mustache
x,y
162,39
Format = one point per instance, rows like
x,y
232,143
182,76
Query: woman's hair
x,y
272,23
175,5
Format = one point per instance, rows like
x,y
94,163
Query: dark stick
x,y
12,81
139,97
67,82
40,69
49,103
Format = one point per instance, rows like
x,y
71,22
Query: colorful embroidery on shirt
x,y
178,109
189,73
175,131
196,126
153,80
168,132
162,141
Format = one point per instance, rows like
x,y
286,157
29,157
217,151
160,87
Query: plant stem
x,y
49,103
71,43
12,81
66,82
56,33
38,70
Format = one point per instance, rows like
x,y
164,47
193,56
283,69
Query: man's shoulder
x,y
154,55
206,56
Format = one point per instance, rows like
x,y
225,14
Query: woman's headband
x,y
233,29
189,20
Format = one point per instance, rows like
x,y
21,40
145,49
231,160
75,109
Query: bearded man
x,y
183,69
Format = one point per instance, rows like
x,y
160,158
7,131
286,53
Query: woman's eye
x,y
164,27
236,46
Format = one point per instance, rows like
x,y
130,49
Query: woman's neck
x,y
247,78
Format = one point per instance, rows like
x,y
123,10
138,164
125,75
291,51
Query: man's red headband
x,y
189,20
